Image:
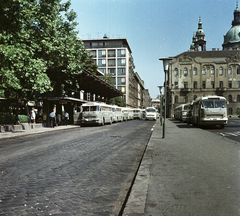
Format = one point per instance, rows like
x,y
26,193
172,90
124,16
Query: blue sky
x,y
154,28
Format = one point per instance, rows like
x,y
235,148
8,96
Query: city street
x,y
82,171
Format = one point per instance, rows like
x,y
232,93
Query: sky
x,y
154,29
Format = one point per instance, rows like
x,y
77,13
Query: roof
x,y
209,54
125,42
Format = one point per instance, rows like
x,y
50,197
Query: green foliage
x,y
39,46
238,111
11,119
118,101
108,78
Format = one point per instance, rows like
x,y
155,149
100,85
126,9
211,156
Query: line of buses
x,y
102,113
204,111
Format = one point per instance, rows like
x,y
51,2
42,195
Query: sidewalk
x,y
184,174
33,129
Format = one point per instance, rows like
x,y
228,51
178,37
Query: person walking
x,y
66,117
52,119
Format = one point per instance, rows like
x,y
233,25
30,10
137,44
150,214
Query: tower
x,y
200,38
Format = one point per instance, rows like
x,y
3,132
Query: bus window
x,y
85,108
208,104
94,108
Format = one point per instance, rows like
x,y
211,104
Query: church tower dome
x,y
199,39
232,38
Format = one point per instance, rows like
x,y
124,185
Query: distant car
x,y
151,113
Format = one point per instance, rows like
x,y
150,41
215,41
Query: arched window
x,y
195,71
229,70
176,99
220,71
238,98
230,98
204,71
185,71
238,70
212,70
176,72
230,111
194,97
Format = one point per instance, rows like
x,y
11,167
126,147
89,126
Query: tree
x,y
39,49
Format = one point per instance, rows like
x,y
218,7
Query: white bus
x,y
117,114
210,110
151,113
137,114
96,113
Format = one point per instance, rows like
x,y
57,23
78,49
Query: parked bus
x,y
137,114
151,113
182,111
210,110
117,114
96,113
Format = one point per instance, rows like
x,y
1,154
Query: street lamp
x,y
165,68
160,89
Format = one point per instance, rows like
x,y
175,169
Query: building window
x,y
112,71
93,53
238,70
238,98
176,85
212,84
221,71
203,71
101,53
121,62
203,84
238,84
195,71
229,84
121,71
220,84
121,53
185,85
212,71
176,72
229,70
121,80
103,70
194,97
102,62
230,98
111,62
176,99
185,99
195,84
94,44
111,53
185,72
230,112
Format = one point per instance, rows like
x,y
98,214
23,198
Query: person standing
x,y
66,117
52,119
33,115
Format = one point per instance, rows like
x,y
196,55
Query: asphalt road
x,y
231,130
84,171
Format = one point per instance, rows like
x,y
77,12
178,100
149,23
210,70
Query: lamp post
x,y
165,68
160,89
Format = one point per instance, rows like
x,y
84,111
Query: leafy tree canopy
x,y
39,46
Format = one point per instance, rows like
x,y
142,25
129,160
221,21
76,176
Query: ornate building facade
x,y
198,72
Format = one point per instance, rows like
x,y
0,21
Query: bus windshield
x,y
214,104
150,110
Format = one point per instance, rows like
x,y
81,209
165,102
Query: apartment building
x,y
114,56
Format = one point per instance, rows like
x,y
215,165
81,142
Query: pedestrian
x,y
52,119
66,117
59,119
33,115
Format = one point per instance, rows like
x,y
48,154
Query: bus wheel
x,y
222,126
110,121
